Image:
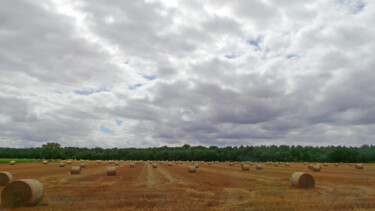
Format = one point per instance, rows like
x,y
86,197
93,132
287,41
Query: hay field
x,y
212,187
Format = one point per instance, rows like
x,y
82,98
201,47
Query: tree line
x,y
186,152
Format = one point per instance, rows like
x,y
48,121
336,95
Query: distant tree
x,y
51,150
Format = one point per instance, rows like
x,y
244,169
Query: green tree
x,y
51,150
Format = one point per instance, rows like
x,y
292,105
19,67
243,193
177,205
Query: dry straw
x,y
69,162
259,167
25,192
83,165
196,165
317,167
245,167
75,170
325,164
359,166
192,169
5,178
302,180
12,162
111,171
45,162
62,164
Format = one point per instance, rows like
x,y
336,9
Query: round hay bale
x,y
75,170
25,192
111,171
83,165
169,164
154,165
5,178
69,162
287,164
359,166
45,162
316,167
110,162
325,164
12,162
245,167
98,161
336,164
350,164
132,165
275,164
231,164
196,165
304,163
117,163
62,164
259,167
192,169
302,180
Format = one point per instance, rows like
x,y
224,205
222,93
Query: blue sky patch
x,y
231,56
291,56
119,122
107,131
134,86
90,91
150,77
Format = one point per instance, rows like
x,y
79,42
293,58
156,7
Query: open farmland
x,y
216,187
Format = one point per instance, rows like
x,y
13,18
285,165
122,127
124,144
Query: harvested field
x,y
213,187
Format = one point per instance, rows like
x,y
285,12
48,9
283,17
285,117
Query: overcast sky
x,y
153,73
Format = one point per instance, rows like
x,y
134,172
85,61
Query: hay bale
x,y
315,167
12,162
98,161
132,165
245,167
304,163
5,178
192,169
75,170
111,171
69,162
25,192
259,167
287,164
169,164
117,163
196,165
336,164
359,166
325,164
231,164
45,162
276,164
302,180
62,164
83,165
154,165
111,162
350,164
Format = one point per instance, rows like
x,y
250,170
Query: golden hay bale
x,y
45,162
111,171
315,167
75,170
24,192
304,163
336,164
154,165
350,164
169,164
325,164
192,169
110,162
117,163
83,165
98,161
276,164
12,162
359,166
132,165
5,178
287,164
245,167
259,167
196,165
302,180
62,164
69,162
231,164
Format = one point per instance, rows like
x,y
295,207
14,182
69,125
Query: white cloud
x,y
197,72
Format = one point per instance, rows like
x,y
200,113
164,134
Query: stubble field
x,y
212,187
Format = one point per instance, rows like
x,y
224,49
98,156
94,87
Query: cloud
x,y
154,73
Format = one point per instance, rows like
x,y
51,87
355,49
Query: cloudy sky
x,y
153,73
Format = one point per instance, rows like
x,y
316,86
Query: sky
x,y
200,72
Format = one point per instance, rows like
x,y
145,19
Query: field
x,y
213,187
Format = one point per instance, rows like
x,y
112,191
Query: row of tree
x,y
364,153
